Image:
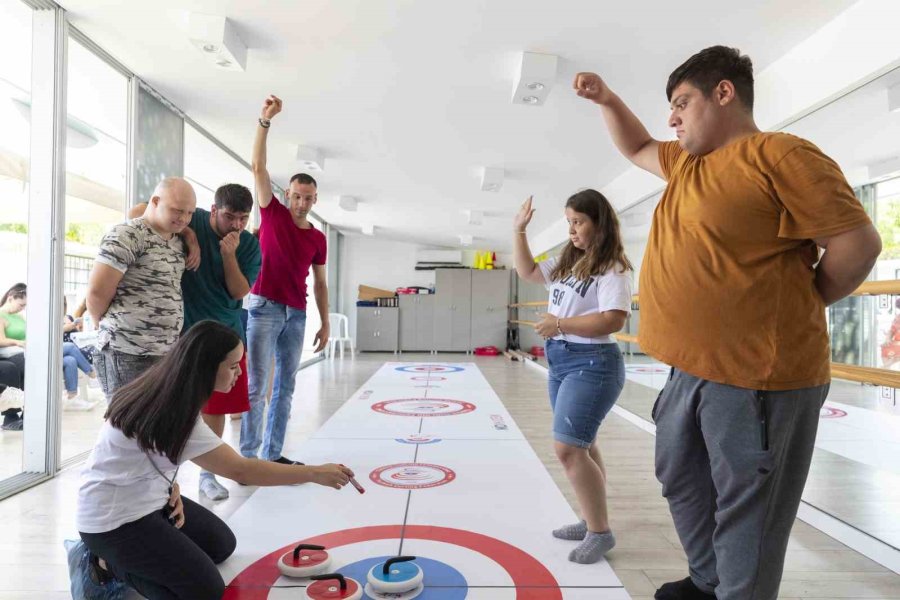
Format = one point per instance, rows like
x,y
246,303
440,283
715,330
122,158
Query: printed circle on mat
x,y
525,572
429,369
418,438
423,407
412,476
428,378
829,412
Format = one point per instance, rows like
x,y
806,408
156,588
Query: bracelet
x,y
265,123
520,232
558,330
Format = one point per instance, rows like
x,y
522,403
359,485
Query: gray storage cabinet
x,y
490,308
377,329
417,322
452,310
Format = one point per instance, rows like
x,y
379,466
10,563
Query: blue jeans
x,y
272,328
584,383
74,359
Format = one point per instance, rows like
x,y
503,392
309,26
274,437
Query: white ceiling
x,y
409,100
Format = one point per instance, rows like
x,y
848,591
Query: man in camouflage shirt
x,y
134,291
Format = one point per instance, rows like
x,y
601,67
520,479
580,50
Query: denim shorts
x,y
585,381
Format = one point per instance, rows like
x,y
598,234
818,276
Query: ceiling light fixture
x,y
368,230
534,80
311,158
465,239
347,203
217,38
474,217
491,179
894,98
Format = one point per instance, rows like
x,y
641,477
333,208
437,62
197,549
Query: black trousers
x,y
12,371
165,563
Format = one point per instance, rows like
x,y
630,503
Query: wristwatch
x,y
265,123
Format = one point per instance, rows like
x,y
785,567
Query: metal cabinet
x,y
490,302
452,310
417,322
377,329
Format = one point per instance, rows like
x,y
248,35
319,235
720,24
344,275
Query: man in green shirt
x,y
230,260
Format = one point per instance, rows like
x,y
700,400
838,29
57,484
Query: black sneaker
x,y
286,461
13,419
682,590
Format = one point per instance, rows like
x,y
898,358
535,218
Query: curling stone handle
x,y
306,547
337,576
396,559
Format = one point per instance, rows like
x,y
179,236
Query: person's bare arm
x,y
226,462
320,292
102,289
848,260
235,282
271,107
629,135
522,257
589,326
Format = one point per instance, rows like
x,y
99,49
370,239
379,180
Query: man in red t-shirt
x,y
277,302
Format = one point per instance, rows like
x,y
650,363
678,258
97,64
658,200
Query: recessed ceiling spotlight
x,y
210,48
534,80
223,63
216,37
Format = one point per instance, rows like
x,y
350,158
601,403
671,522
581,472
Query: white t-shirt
x,y
572,298
118,483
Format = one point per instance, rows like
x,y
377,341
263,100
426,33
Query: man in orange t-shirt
x,y
733,297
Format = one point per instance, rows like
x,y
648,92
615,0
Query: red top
x,y
287,253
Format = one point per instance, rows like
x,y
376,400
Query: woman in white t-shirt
x,y
135,525
590,298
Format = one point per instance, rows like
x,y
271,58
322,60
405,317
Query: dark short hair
x,y
160,408
234,196
304,179
712,65
19,290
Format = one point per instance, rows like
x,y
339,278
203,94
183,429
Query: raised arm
x,y
627,132
522,256
271,107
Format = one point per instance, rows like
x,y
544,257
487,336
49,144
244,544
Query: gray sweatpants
x,y
733,463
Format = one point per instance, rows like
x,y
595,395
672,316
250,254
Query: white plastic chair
x,y
340,333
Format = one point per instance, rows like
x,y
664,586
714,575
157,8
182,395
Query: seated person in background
x,y
12,337
73,361
129,490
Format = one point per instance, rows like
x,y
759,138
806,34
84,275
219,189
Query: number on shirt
x,y
558,297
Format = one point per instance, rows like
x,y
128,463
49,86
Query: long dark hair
x,y
160,408
18,290
604,252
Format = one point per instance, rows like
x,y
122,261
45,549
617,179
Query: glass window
x,y
207,167
96,162
15,153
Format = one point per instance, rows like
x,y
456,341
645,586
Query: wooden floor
x,y
34,523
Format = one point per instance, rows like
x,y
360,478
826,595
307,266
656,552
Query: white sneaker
x,y
77,404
